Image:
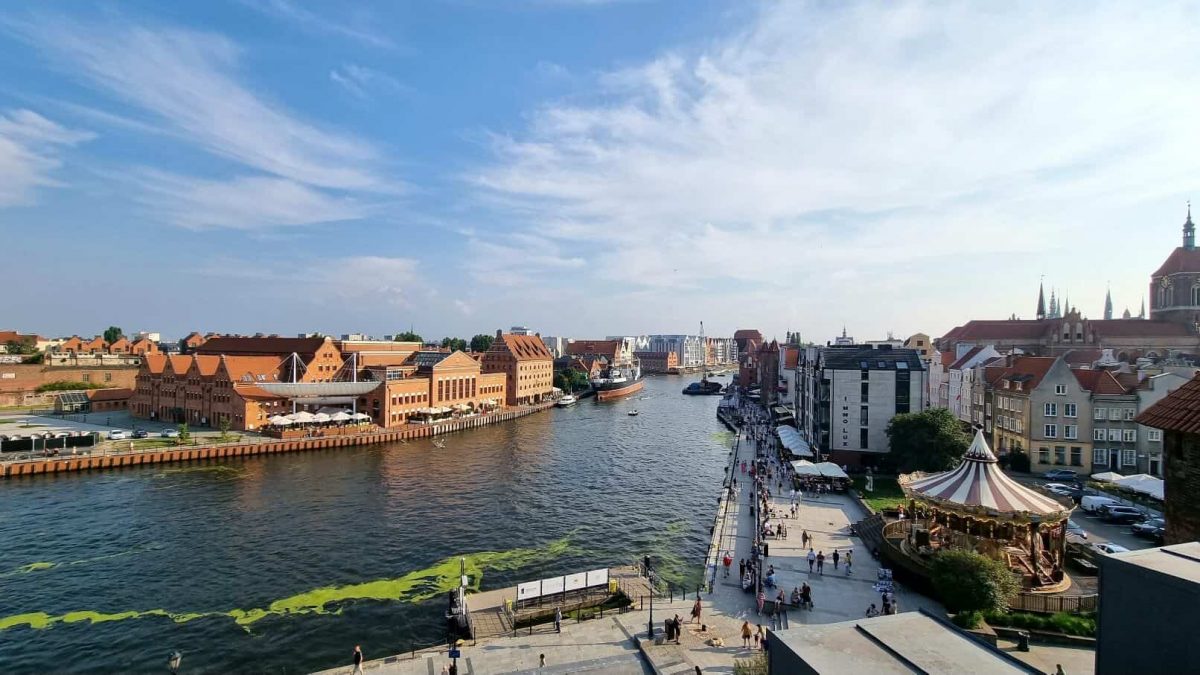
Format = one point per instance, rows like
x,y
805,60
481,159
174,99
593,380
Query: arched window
x,y
1195,295
1162,298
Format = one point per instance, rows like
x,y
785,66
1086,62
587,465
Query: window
x,y
1070,432
1129,414
1097,434
1050,410
1070,410
1114,434
1060,389
1099,414
862,438
87,377
1099,457
1195,295
864,390
1051,431
1128,457
108,377
1154,435
862,415
1043,455
1114,414
1130,436
1060,454
1076,455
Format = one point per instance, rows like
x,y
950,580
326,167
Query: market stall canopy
x,y
1143,483
978,484
804,468
1107,476
791,440
831,470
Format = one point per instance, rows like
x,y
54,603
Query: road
x,y
1097,530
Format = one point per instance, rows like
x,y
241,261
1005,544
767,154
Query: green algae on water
x,y
414,587
40,566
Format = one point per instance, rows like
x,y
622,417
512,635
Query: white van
x,y
1092,503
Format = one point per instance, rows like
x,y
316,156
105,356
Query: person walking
x,y
812,558
358,659
821,563
742,568
761,638
746,632
696,609
728,563
762,600
678,628
558,619
803,538
849,562
836,557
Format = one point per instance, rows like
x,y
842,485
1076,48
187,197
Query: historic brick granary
x,y
1178,415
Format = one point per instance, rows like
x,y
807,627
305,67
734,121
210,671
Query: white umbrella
x,y
321,417
280,421
1107,476
361,416
340,417
302,417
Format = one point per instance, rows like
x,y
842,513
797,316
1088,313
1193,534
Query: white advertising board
x,y
597,577
552,586
574,582
529,591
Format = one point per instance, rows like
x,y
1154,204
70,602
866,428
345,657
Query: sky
x,y
587,167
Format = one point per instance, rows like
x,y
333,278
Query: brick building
x,y
431,379
1178,417
526,363
658,362
609,349
19,381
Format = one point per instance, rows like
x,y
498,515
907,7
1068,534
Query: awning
x,y
1143,483
831,470
791,440
805,468
1107,476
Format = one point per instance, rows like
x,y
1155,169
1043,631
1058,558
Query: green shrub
x,y
967,620
1083,625
66,385
967,581
1018,461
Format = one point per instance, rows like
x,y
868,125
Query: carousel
x,y
977,507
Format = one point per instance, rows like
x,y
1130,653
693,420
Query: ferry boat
x,y
617,381
567,401
704,387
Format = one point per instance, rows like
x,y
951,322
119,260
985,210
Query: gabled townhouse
x,y
960,376
1151,390
119,346
1012,386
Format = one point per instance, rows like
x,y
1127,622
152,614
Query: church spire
x,y
1053,313
1142,313
1041,306
1189,230
1108,304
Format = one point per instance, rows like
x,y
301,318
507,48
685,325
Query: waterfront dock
x,y
116,460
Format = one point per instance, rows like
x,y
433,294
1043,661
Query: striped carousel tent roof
x,y
978,483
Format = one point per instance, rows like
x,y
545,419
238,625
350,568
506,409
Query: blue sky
x,y
586,167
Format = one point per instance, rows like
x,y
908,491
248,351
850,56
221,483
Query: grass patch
x,y
886,495
150,443
1083,625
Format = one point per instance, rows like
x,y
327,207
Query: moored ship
x,y
617,381
704,387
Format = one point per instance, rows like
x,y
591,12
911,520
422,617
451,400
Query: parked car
x,y
1093,503
140,433
1123,514
169,433
1075,529
1060,474
1109,548
117,435
1146,528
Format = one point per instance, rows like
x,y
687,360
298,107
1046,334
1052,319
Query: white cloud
x,y
315,23
29,148
825,136
248,202
361,81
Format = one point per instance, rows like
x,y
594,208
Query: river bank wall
x,y
115,460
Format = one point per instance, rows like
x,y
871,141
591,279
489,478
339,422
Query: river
x,y
283,563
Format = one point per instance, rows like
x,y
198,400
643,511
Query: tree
x,y
966,581
931,440
455,344
25,345
112,334
482,343
408,336
185,436
224,426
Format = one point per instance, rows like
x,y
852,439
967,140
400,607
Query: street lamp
x,y
650,579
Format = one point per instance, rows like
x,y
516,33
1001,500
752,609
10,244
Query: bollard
x,y
1023,641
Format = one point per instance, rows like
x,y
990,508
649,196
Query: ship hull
x,y
625,390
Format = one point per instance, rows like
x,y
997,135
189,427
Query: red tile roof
x,y
1137,327
1028,370
155,362
526,347
115,394
970,353
180,363
1098,381
1083,357
748,334
1177,411
1180,260
1001,330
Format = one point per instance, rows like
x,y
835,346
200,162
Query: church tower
x,y
1175,285
1041,306
1108,304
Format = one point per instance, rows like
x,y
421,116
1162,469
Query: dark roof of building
x,y
970,354
260,345
1017,329
1177,411
858,357
580,347
427,358
1180,260
748,334
1135,327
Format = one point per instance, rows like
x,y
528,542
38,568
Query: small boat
x,y
567,401
632,413
438,442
